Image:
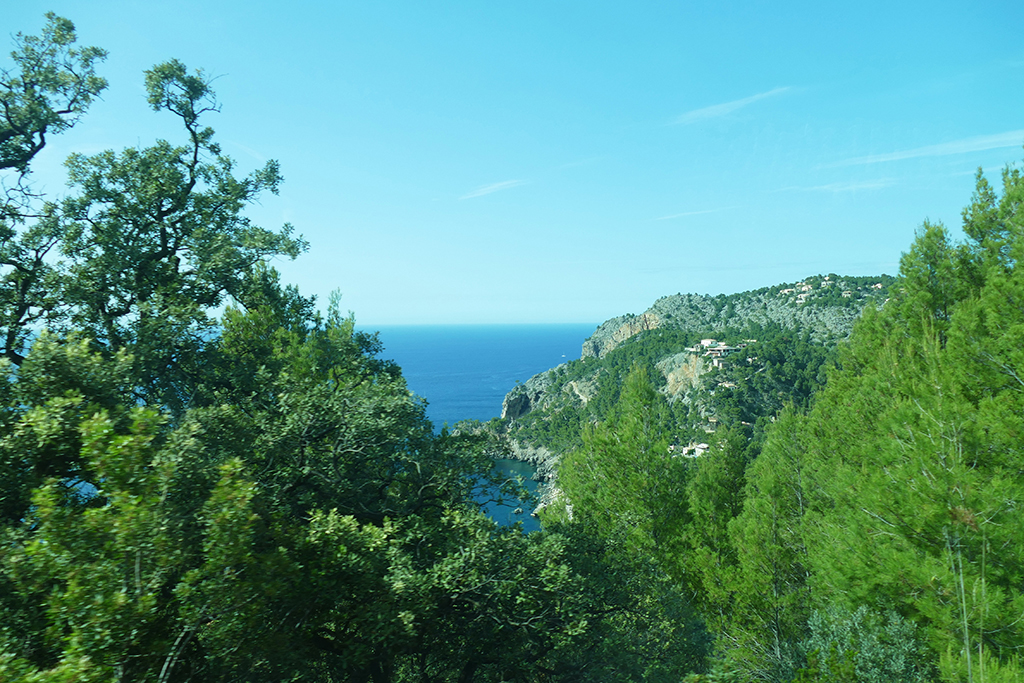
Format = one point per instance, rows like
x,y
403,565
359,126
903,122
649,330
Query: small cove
x,y
464,372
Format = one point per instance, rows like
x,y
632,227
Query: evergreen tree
x,y
914,446
770,593
625,482
715,493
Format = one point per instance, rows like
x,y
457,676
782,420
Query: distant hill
x,y
823,305
726,359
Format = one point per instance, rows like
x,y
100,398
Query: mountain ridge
x,y
786,333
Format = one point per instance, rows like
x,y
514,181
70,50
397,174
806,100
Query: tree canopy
x,y
856,513
203,478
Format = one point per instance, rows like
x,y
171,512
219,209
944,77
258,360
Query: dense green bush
x,y
876,647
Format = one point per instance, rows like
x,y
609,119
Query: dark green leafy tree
x,y
156,237
152,241
51,85
149,240
263,499
50,88
316,530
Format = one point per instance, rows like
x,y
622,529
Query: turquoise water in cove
x,y
464,372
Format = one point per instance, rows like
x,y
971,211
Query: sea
x,y
464,372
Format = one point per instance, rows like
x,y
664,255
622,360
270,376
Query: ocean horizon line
x,y
364,326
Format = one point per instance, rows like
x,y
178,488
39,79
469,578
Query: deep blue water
x,y
464,372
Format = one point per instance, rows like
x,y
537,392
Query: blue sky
x,y
549,161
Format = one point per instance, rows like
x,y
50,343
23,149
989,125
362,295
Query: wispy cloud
x,y
691,213
716,110
775,266
850,186
494,187
984,169
1013,138
248,150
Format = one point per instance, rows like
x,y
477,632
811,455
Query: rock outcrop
x,y
582,389
613,332
527,396
682,373
796,305
542,459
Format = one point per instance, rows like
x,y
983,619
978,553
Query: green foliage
x,y
864,646
304,524
61,384
624,481
930,549
769,593
258,497
909,461
897,484
156,237
52,84
149,240
786,368
626,487
715,493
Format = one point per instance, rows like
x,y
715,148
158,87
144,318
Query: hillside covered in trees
x,y
762,349
203,478
869,529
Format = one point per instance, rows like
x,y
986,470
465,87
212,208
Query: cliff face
x,y
612,333
683,373
826,306
541,391
525,397
516,404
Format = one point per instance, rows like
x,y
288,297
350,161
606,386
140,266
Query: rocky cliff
x,y
612,333
525,397
683,373
824,305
